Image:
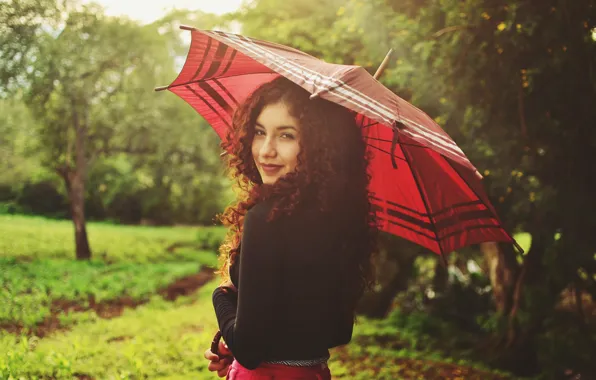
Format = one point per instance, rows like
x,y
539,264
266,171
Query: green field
x,y
134,311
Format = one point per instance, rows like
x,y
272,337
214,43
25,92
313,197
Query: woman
x,y
301,236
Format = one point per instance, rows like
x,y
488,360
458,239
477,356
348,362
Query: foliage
x,y
146,155
21,23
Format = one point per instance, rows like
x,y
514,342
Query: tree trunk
x,y
394,268
75,184
441,277
535,295
77,207
502,270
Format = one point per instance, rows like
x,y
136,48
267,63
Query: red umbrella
x,y
425,188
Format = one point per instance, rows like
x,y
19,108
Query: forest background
x,y
108,190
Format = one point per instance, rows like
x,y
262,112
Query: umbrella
x,y
425,188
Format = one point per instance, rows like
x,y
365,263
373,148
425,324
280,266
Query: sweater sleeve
x,y
247,330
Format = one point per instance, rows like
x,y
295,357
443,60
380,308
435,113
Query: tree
x,y
21,23
77,86
511,82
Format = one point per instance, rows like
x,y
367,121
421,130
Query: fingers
x,y
223,372
223,349
217,366
211,356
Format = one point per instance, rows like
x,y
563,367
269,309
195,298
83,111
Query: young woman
x,y
301,236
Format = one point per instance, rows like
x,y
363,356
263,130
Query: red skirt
x,y
267,371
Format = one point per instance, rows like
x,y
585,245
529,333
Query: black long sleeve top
x,y
289,278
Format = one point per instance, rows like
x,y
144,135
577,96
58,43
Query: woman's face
x,y
276,143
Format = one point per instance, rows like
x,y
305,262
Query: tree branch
x,y
449,29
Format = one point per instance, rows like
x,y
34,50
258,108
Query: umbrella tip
x,y
186,27
161,88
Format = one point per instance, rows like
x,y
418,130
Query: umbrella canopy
x,y
425,188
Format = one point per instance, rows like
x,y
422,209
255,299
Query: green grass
x,y
163,340
158,339
27,290
35,237
403,347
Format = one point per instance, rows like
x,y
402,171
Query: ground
x,y
143,310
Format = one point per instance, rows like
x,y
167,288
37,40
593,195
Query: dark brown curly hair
x,y
331,174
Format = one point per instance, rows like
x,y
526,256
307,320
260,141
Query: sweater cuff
x,y
225,301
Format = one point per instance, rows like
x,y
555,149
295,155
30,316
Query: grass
x,y
157,339
162,340
27,237
27,290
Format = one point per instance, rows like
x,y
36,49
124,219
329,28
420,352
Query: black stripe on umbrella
x,y
225,90
230,60
219,55
209,41
205,86
208,105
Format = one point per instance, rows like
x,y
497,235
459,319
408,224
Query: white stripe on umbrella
x,y
339,83
427,135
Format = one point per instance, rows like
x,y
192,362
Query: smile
x,y
271,169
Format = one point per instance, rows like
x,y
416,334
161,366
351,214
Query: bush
x,y
10,208
43,198
7,193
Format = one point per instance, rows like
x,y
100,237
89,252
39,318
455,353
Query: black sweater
x,y
289,277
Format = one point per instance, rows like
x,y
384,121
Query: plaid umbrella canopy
x,y
425,188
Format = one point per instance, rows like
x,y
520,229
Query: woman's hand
x,y
220,365
229,284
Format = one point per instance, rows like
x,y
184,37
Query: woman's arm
x,y
247,330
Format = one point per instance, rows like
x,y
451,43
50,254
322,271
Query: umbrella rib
x,y
423,197
400,143
488,208
369,125
212,78
384,151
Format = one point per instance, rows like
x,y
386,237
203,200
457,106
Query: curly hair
x,y
331,174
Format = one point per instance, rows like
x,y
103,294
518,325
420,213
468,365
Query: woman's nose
x,y
268,148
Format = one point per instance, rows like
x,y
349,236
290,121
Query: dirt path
x,y
110,309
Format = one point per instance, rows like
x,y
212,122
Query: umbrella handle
x,y
215,343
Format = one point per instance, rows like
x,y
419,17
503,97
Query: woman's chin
x,y
269,180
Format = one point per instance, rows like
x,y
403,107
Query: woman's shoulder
x,y
260,212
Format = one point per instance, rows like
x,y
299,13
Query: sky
x,y
149,10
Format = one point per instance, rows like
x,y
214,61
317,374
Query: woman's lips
x,y
271,169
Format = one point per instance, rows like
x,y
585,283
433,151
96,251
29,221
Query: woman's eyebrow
x,y
281,127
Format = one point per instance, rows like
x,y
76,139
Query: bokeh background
x,y
87,146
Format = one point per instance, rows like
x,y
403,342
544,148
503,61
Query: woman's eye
x,y
259,133
287,136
